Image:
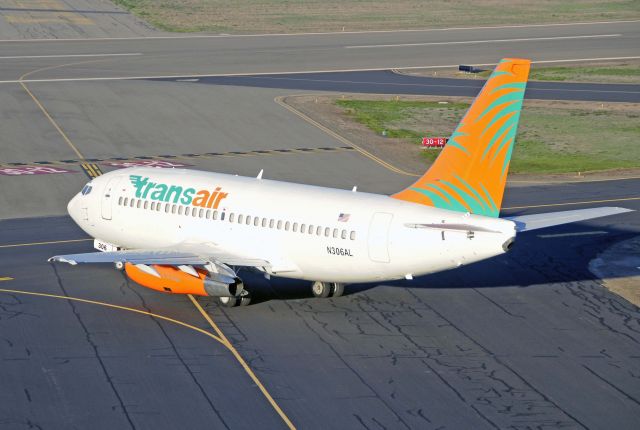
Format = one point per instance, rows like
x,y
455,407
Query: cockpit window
x,y
86,190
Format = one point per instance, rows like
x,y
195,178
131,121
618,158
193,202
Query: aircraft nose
x,y
73,208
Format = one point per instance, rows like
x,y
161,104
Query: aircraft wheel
x,y
321,289
337,289
119,265
245,299
228,302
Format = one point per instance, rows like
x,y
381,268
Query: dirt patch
x,y
619,269
410,157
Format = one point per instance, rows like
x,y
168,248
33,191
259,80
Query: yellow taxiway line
x,y
112,306
243,363
280,100
220,337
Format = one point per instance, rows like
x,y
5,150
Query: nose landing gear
x,y
325,289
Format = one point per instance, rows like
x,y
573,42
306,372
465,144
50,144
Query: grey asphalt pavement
x,y
148,57
527,340
390,82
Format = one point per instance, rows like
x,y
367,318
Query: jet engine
x,y
184,280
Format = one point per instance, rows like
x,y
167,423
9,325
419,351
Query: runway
x,y
527,340
124,58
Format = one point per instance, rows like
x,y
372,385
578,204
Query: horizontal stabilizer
x,y
534,222
452,227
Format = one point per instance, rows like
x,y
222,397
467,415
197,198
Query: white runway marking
x,y
295,72
327,33
474,42
22,57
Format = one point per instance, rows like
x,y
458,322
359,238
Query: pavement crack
x,y
93,345
348,366
177,354
606,381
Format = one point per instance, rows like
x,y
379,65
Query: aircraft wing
x,y
534,222
166,257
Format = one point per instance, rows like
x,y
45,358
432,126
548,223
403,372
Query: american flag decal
x,y
343,217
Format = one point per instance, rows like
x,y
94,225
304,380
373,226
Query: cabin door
x,y
108,197
379,237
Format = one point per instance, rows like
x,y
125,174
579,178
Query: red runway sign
x,y
434,142
32,170
147,163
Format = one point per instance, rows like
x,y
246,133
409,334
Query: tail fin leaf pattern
x,y
471,172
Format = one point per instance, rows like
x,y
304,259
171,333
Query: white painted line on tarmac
x,y
326,33
296,72
21,57
475,42
582,233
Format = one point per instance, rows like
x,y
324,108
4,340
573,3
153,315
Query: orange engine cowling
x,y
173,280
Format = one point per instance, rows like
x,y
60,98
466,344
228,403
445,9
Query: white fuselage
x,y
303,231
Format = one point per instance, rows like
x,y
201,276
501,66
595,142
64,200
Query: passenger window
x,y
264,222
138,204
352,236
126,201
195,213
208,213
146,204
318,230
153,206
248,222
295,227
303,228
231,217
158,207
120,201
222,216
167,207
287,225
271,223
215,215
344,234
187,209
173,209
335,232
279,224
327,230
180,208
310,228
256,221
133,202
240,218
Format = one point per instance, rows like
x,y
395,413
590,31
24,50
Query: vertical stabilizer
x,y
470,173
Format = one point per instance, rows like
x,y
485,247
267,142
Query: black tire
x,y
321,289
228,302
245,300
337,289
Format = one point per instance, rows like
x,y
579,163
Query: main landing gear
x,y
229,302
325,289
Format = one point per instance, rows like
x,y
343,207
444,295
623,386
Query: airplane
x,y
188,232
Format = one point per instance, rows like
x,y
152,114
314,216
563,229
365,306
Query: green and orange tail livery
x,y
470,173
